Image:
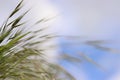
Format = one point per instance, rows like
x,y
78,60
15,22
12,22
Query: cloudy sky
x,y
92,19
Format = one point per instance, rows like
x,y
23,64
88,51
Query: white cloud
x,y
94,18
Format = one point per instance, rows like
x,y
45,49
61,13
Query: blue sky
x,y
90,19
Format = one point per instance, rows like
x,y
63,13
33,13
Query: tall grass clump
x,y
19,49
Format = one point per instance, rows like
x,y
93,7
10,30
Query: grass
x,y
19,49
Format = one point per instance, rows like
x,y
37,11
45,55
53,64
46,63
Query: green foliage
x,y
20,57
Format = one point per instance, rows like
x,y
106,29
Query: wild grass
x,y
19,49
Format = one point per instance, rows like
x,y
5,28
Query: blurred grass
x,y
20,57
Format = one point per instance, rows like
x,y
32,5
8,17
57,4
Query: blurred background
x,y
89,28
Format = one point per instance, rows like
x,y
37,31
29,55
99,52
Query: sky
x,y
93,19
89,19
